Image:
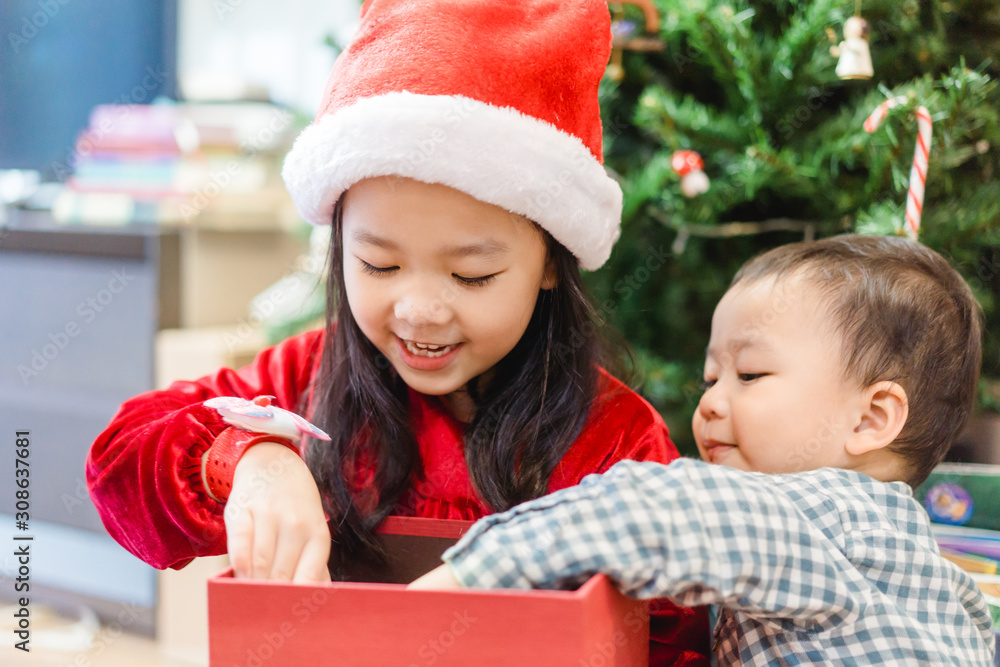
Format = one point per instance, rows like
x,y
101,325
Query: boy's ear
x,y
883,416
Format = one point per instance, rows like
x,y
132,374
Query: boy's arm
x,y
695,533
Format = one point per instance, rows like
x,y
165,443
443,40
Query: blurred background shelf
x,y
95,315
157,130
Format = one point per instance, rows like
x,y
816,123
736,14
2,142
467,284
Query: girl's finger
x,y
287,553
312,565
239,541
265,538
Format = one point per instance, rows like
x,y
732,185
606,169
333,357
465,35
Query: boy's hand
x,y
275,525
440,578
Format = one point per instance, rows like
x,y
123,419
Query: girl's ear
x,y
883,416
550,278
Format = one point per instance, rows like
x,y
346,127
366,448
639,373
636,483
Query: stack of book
x,y
215,165
962,501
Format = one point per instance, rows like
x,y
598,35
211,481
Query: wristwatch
x,y
218,463
251,423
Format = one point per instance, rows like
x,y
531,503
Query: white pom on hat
x,y
496,99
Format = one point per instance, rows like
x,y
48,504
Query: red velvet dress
x,y
144,470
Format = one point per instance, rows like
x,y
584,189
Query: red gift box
x,y
258,623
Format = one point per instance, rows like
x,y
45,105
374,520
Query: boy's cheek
x,y
697,425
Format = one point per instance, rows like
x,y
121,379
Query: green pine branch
x,y
751,86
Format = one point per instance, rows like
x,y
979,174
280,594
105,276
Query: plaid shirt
x,y
827,567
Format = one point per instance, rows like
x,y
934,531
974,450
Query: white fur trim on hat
x,y
497,155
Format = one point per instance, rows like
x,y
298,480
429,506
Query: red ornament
x,y
684,162
689,166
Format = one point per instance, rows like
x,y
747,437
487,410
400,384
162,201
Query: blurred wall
x,y
59,58
276,46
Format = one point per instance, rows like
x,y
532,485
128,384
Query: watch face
x,y
260,416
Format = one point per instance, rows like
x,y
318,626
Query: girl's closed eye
x,y
750,377
707,384
475,282
376,270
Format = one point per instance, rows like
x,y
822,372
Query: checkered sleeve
x,y
696,533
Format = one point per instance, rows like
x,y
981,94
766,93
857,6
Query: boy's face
x,y
776,398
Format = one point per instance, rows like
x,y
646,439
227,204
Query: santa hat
x,y
496,99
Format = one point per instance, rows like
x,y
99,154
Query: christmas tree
x,y
753,88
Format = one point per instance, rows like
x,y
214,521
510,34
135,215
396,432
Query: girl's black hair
x,y
527,415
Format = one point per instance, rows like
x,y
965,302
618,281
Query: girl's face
x,y
777,399
441,283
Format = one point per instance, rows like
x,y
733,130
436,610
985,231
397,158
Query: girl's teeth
x,y
425,350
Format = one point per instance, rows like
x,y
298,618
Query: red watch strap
x,y
222,457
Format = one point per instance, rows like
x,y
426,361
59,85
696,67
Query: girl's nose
x,y
713,404
421,309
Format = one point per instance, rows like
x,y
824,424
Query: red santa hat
x,y
496,99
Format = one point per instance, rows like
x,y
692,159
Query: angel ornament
x,y
259,416
855,59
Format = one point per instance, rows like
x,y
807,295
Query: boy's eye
x,y
707,384
474,282
376,270
750,377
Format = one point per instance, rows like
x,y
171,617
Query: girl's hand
x,y
440,578
275,525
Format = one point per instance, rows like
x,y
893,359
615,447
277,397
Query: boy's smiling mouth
x,y
715,451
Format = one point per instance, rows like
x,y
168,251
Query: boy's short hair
x,y
904,315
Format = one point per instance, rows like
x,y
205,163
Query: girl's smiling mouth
x,y
427,356
427,349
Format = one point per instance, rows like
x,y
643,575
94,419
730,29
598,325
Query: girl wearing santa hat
x,y
457,156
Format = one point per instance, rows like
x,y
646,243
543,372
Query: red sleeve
x,y
144,470
621,425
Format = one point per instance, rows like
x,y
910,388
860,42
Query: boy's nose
x,y
712,404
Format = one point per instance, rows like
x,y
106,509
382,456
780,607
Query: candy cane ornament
x,y
921,157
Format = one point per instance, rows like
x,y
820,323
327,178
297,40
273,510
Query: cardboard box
x,y
182,601
209,276
256,623
188,354
182,610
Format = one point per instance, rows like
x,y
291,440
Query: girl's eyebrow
x,y
489,248
367,238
